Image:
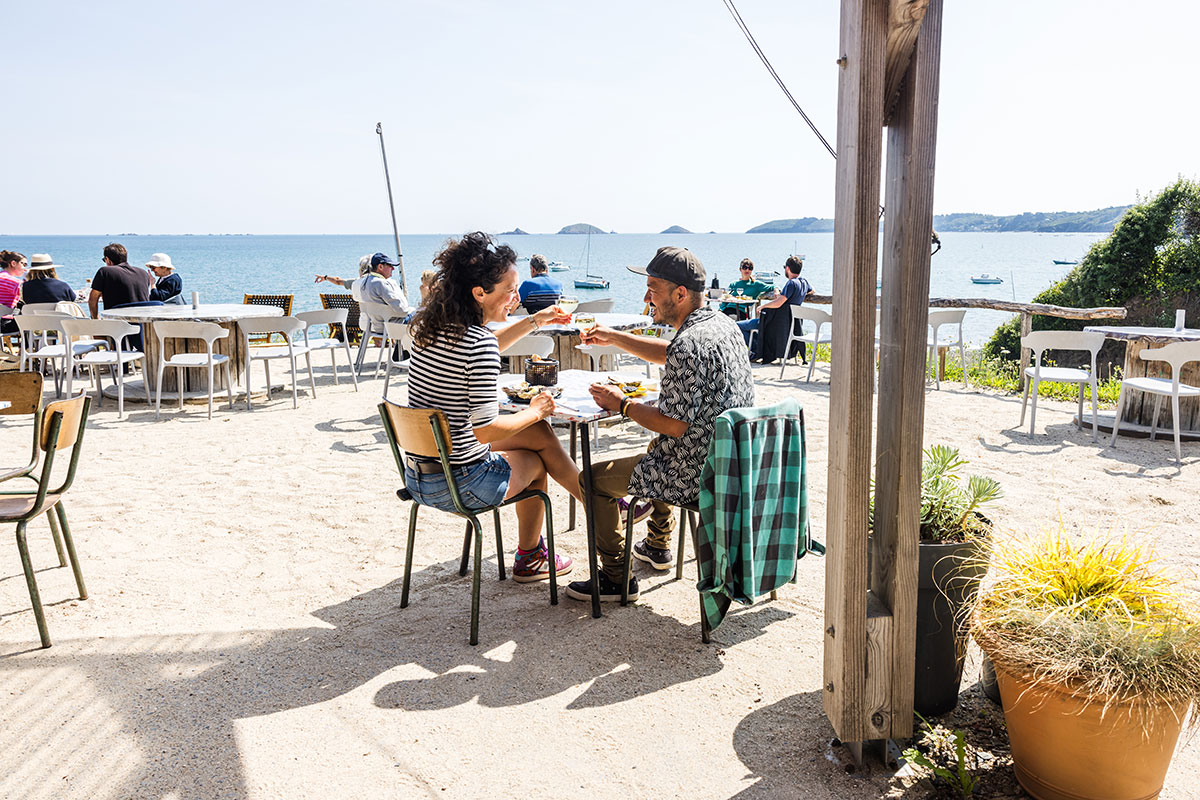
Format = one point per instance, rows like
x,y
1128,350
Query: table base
x,y
1104,424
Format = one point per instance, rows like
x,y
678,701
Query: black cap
x,y
677,265
383,258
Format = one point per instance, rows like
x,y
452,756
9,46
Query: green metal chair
x,y
424,432
63,423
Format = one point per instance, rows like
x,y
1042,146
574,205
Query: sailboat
x,y
591,281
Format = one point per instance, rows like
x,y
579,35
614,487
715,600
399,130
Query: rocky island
x,y
581,227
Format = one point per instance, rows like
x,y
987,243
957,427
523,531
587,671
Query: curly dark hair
x,y
794,263
474,260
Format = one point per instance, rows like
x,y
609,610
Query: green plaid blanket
x,y
753,506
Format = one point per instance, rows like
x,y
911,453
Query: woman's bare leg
x,y
528,472
539,438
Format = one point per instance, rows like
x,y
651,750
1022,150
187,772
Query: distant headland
x,y
515,232
1101,220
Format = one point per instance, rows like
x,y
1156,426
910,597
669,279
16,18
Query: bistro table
x,y
576,407
195,380
747,304
1139,409
566,337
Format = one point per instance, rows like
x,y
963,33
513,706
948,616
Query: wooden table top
x,y
207,312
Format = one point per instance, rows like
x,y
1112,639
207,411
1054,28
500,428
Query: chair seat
x,y
279,351
102,357
1160,386
15,506
1060,375
60,351
325,344
194,360
810,338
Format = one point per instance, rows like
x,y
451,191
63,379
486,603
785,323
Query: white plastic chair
x,y
1176,355
596,306
331,316
533,345
1041,341
939,319
34,344
374,315
115,358
65,306
396,332
208,332
819,319
289,327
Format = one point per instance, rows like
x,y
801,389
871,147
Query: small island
x,y
676,229
514,232
1100,220
581,227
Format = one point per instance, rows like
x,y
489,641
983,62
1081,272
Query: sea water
x,y
222,268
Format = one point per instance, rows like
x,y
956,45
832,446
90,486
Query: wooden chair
x,y
207,332
63,423
350,331
424,432
334,318
283,301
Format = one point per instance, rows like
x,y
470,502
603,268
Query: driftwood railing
x,y
1026,310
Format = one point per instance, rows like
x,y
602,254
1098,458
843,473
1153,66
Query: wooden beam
x,y
903,339
1041,309
855,255
904,22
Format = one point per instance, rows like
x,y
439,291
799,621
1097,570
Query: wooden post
x,y
1026,353
912,140
855,255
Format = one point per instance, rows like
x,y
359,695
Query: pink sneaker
x,y
535,565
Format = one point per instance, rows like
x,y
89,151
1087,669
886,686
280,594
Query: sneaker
x,y
535,565
610,590
657,557
641,512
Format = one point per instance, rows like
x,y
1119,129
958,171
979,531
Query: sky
x,y
633,115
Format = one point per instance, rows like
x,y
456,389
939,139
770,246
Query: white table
x,y
566,337
1138,413
579,411
196,380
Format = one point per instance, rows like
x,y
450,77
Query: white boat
x,y
985,278
558,266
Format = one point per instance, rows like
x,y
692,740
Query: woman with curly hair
x,y
455,366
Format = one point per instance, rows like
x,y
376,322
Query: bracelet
x,y
625,404
534,322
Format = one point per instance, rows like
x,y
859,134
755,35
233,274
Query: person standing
x,y
169,286
773,326
42,285
117,283
540,290
704,374
12,269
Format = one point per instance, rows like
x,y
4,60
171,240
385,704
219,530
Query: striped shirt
x,y
460,379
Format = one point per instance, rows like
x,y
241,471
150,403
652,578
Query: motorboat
x,y
558,266
986,278
1056,261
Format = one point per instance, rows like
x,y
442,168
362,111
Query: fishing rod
x,y
395,230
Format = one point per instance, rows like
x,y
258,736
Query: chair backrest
x,y
328,316
946,316
597,306
44,321
531,346
378,312
6,311
68,307
1176,354
398,332
283,301
72,410
178,329
598,351
347,302
114,329
284,325
412,429
1041,341
38,308
23,390
810,314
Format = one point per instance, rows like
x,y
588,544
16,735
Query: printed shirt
x,y
753,507
706,373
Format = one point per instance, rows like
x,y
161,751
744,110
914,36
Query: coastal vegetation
x,y
1150,264
1100,220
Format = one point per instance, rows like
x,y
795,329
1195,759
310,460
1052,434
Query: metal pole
x,y
395,230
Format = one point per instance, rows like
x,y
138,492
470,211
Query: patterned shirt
x,y
706,373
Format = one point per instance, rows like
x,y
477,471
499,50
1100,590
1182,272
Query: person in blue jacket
x,y
540,291
169,286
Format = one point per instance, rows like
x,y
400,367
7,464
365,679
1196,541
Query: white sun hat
x,y
160,260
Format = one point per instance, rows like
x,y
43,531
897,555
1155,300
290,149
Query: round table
x,y
1139,407
195,380
566,337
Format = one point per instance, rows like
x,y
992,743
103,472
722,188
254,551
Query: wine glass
x,y
568,304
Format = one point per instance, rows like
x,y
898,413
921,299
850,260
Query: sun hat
x,y
42,261
160,260
677,265
383,258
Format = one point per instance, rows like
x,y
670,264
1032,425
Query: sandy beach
x,y
243,636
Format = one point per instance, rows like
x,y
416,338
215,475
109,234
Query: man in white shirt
x,y
379,287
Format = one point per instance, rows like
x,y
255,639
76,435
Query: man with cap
x,y
168,287
704,373
42,284
379,286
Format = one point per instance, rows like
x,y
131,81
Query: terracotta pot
x,y
1063,750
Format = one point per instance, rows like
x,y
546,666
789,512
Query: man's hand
x,y
607,396
597,334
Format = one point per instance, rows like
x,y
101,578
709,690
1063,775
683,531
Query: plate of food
x,y
523,392
632,387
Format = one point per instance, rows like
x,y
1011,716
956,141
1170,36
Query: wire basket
x,y
541,373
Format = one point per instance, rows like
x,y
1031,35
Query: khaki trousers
x,y
610,482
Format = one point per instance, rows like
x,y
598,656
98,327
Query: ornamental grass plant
x,y
1101,620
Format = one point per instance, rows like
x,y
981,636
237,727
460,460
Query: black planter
x,y
948,579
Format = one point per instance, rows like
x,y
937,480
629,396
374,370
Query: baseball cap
x,y
383,258
677,265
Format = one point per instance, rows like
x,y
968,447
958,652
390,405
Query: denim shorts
x,y
481,484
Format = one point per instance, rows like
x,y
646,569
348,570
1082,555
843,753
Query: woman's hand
x,y
551,316
607,396
542,404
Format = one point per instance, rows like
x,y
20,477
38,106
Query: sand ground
x,y
243,636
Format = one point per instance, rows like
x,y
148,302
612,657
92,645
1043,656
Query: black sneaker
x,y
657,557
610,590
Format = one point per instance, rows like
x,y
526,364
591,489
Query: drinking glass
x,y
568,304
